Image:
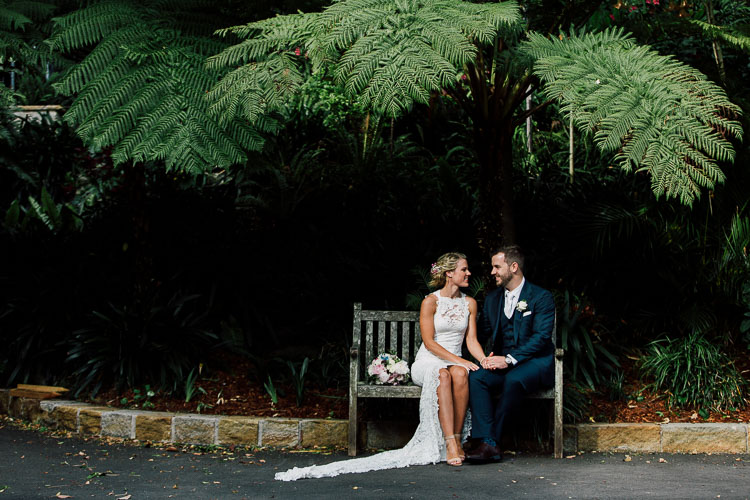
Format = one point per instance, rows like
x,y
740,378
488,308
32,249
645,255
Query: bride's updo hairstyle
x,y
445,263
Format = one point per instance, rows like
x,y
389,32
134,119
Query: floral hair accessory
x,y
434,269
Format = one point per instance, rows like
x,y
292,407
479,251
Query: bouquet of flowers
x,y
388,369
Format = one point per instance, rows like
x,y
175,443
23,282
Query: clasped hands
x,y
492,362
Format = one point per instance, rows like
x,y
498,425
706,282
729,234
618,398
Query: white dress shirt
x,y
511,299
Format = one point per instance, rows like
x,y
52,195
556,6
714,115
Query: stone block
x,y
4,401
570,438
279,432
619,437
239,430
25,409
118,424
66,418
195,429
323,433
704,438
389,434
154,426
90,420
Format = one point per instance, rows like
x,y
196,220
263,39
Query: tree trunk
x,y
138,246
495,154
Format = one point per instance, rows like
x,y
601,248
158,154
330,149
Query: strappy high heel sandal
x,y
461,452
454,460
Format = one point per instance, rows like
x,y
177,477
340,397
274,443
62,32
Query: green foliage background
x,y
246,203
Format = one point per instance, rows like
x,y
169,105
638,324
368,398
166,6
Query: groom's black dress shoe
x,y
471,444
484,453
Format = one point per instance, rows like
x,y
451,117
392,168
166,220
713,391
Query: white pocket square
x,y
527,313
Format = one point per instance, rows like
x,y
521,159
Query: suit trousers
x,y
488,414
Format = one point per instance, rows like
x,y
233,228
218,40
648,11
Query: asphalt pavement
x,y
40,465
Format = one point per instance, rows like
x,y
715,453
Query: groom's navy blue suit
x,y
527,336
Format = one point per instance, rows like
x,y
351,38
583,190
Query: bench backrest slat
x,y
385,331
381,336
389,315
393,344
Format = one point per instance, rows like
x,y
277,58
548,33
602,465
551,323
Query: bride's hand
x,y
470,366
486,361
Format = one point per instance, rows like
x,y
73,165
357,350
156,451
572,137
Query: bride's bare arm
x,y
472,342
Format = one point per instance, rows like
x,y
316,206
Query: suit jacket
x,y
532,328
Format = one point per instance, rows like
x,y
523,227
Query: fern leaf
x,y
654,112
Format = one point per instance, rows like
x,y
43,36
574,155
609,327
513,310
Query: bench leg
x,y
353,425
558,426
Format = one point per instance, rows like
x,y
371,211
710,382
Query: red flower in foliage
x,y
297,51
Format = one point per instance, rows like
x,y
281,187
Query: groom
x,y
520,317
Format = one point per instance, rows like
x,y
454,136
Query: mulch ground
x,y
236,392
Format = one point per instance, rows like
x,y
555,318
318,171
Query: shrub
x,y
150,341
694,373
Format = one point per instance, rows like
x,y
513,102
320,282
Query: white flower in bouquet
x,y
388,369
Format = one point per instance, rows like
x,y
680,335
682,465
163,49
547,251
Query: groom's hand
x,y
494,362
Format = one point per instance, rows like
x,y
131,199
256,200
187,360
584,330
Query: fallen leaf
x,y
126,497
694,416
570,456
627,458
662,461
60,495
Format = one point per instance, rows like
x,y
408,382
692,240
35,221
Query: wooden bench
x,y
375,332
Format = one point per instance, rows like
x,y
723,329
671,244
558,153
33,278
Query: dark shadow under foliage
x,y
160,269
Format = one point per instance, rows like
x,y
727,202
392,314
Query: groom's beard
x,y
502,281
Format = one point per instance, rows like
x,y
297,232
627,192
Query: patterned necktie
x,y
510,300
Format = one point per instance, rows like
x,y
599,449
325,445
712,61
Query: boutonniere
x,y
522,306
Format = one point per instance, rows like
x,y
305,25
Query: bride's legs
x,y
445,402
460,386
445,415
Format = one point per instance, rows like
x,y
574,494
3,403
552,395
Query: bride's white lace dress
x,y
427,446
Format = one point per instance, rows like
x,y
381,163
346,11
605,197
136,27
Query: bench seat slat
x,y
388,391
542,394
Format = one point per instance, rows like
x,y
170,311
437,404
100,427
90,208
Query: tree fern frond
x,y
11,19
142,88
409,48
738,35
654,112
92,24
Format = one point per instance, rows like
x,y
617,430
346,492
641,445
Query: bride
x,y
447,316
